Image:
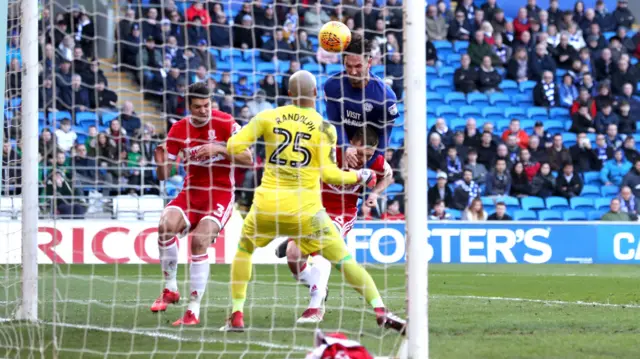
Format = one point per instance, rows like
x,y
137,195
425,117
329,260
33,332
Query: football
x,y
334,36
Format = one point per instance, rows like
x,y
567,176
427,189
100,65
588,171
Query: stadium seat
x,y
527,125
87,118
557,203
609,34
478,99
431,174
537,113
559,111
396,138
434,99
54,118
444,47
522,100
574,216
527,86
487,201
431,72
151,206
581,203
439,85
455,99
595,215
509,87
457,124
126,207
394,190
230,54
270,67
331,68
549,215
609,191
10,207
512,203
592,178
532,203
514,112
524,215
493,113
469,111
453,59
456,214
15,102
601,203
500,100
590,191
446,72
460,47
108,116
569,139
554,126
502,125
448,112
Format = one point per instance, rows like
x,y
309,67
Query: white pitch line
x,y
540,301
157,334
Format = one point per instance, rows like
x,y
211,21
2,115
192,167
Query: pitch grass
x,y
103,312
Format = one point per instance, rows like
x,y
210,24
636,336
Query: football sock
x,y
361,281
240,276
318,280
304,275
169,262
199,273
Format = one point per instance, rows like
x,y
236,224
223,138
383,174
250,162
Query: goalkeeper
x,y
300,151
356,98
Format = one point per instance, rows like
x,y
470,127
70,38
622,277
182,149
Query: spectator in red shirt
x,y
197,10
584,99
531,166
521,23
393,212
521,136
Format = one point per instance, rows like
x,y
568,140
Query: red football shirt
x,y
344,199
187,137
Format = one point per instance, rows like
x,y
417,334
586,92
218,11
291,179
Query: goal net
x,y
112,77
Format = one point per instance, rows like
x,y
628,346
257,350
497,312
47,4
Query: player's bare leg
x,y
204,234
171,223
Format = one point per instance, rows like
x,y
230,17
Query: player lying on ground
x,y
206,202
341,203
300,149
356,97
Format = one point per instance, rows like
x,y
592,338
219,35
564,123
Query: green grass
x,y
476,311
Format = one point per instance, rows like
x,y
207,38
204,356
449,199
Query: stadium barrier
x,y
372,242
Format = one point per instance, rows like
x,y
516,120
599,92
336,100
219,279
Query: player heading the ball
x,y
300,148
355,98
205,204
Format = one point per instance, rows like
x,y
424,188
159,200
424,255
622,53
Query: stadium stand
x,y
101,118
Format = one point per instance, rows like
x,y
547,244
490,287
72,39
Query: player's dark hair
x,y
358,46
366,136
198,90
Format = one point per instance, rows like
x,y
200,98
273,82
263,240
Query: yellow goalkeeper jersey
x,y
300,151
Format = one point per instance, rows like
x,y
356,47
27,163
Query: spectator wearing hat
x,y
244,35
440,192
622,15
205,56
197,10
220,31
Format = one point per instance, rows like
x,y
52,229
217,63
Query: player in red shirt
x,y
205,204
341,203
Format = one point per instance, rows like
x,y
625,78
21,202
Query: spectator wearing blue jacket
x,y
568,92
615,169
606,117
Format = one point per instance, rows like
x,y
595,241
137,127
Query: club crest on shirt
x,y
393,110
368,107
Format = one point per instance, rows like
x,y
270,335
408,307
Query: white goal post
x,y
416,177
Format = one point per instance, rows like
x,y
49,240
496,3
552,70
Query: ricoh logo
x,y
626,247
456,245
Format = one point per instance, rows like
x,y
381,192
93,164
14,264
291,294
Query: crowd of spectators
x,y
574,66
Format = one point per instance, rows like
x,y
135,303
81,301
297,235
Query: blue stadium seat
x,y
223,66
493,113
270,67
54,118
574,216
107,117
394,190
601,203
469,111
509,87
331,68
460,47
557,203
553,126
455,99
444,47
569,139
379,71
456,214
537,113
446,72
231,54
431,174
487,201
609,34
478,99
42,120
590,191
431,72
439,85
523,100
527,86
527,125
524,215
15,102
559,112
550,215
581,203
434,99
89,118
514,112
453,59
592,177
609,191
512,203
500,99
559,74
533,203
502,125
457,124
595,215
448,112
396,138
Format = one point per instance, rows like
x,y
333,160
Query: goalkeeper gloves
x,y
367,177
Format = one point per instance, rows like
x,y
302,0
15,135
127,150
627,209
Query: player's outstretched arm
x,y
387,179
244,139
329,170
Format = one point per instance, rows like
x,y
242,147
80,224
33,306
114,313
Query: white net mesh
x,y
113,77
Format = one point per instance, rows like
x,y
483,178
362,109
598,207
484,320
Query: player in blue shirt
x,y
356,97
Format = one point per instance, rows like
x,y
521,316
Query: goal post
x,y
416,178
28,307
